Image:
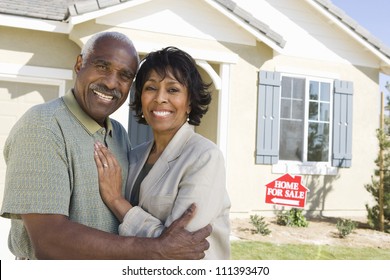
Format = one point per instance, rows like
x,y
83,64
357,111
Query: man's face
x,y
104,78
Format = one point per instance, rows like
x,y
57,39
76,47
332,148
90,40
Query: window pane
x,y
292,119
318,142
314,90
324,112
299,89
298,109
325,92
313,111
287,87
285,108
291,140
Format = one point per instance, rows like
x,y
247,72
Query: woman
x,y
178,167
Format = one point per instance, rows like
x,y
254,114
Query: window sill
x,y
283,167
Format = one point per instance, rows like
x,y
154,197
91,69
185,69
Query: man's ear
x,y
79,63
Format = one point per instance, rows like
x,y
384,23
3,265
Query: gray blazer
x,y
191,169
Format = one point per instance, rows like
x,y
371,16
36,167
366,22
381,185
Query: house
x,y
295,84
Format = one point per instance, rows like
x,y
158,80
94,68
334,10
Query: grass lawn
x,y
254,250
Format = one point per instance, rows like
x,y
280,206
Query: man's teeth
x,y
161,113
107,97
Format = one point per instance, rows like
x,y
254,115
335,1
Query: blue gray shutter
x,y
342,124
267,138
138,133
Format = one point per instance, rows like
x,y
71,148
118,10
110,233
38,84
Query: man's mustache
x,y
103,89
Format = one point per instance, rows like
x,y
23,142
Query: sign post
x,y
286,190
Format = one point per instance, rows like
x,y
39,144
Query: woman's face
x,y
165,103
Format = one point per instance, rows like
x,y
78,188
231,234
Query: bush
x,y
260,225
292,218
345,227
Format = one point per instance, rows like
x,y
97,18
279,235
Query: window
x,y
303,120
304,136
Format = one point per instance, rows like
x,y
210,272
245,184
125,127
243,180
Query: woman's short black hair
x,y
183,67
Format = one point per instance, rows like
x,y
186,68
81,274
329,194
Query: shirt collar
x,y
90,124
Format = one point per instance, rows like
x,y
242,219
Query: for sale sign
x,y
286,190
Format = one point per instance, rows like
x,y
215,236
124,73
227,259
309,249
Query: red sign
x,y
286,190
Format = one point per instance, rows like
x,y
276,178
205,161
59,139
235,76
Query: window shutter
x,y
342,124
267,138
138,133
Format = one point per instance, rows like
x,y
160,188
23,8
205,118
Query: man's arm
x,y
56,237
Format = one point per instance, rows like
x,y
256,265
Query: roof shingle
x,y
42,9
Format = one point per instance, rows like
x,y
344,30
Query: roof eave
x,y
34,24
243,19
77,18
385,68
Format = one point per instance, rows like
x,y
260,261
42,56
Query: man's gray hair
x,y
89,46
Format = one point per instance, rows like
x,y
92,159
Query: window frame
x,y
307,99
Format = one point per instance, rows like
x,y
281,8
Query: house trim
x,y
34,24
355,34
223,112
36,75
78,15
277,46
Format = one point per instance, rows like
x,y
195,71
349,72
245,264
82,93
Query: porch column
x,y
223,108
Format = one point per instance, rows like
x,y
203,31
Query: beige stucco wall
x,y
243,176
29,47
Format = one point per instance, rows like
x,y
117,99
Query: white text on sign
x,y
286,185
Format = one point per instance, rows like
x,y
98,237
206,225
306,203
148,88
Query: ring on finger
x,y
105,165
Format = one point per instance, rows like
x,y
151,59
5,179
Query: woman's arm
x,y
205,185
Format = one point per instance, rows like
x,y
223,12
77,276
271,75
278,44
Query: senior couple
x,y
76,190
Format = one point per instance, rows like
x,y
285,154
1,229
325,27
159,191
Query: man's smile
x,y
103,96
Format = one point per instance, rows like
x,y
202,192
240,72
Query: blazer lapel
x,y
161,167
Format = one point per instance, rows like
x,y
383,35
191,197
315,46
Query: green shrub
x,y
260,225
345,227
292,218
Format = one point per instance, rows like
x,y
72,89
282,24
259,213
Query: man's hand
x,y
178,243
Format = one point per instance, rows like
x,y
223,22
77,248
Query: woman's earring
x,y
142,116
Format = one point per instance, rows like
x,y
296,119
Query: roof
x,y
57,10
42,9
62,10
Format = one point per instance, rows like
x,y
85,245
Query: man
x,y
51,189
